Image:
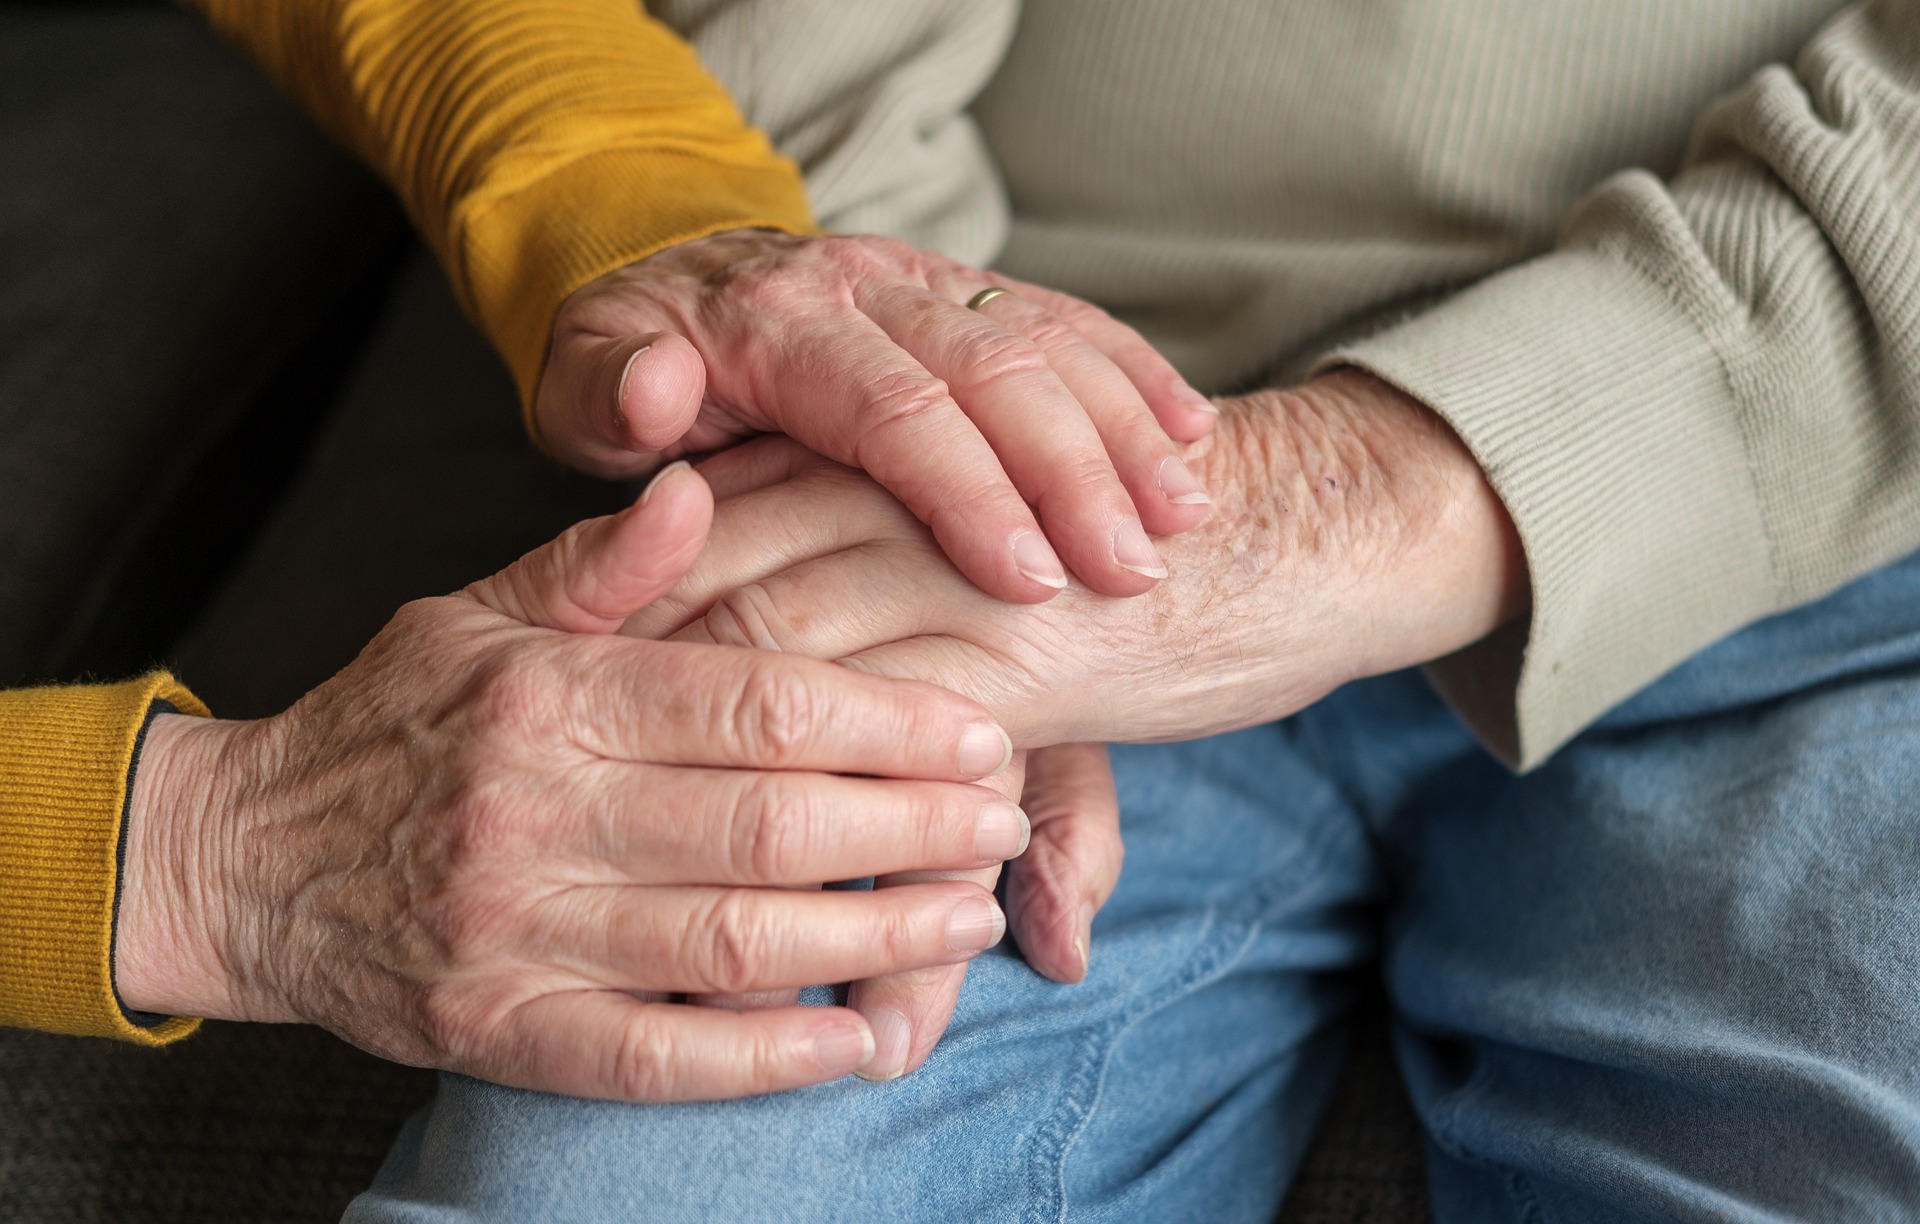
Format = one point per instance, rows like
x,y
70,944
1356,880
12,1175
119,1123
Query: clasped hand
x,y
1352,534
500,836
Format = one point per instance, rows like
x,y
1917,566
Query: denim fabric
x,y
1673,974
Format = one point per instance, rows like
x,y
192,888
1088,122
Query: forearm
x,y
1352,534
538,144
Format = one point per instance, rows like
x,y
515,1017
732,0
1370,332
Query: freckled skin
x,y
1350,533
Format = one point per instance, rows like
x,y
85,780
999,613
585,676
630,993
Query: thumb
x,y
598,573
610,405
1073,861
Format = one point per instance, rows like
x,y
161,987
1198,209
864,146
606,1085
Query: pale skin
x,y
473,867
475,848
1032,431
1353,534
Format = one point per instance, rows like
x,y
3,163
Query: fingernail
x,y
892,1042
626,372
1196,399
975,925
1083,942
843,1048
677,465
1003,833
1179,486
984,749
1132,550
1034,558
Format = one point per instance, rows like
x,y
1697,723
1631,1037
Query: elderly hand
x,y
1353,534
1053,890
489,842
863,349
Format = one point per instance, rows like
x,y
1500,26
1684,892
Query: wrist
x,y
1354,534
1438,561
171,935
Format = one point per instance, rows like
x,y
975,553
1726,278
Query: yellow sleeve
x,y
538,144
65,757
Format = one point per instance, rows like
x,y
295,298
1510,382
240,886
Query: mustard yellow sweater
x,y
537,144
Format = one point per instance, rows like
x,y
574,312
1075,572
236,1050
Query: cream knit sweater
x,y
1657,261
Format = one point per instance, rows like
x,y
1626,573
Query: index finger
x,y
1045,437
908,432
608,1045
909,1010
685,703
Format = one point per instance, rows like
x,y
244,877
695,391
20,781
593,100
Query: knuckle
x,y
1132,430
511,690
643,1062
1048,331
902,399
841,248
1081,314
766,1065
895,934
773,829
415,616
1084,481
862,256
776,290
993,355
774,715
734,948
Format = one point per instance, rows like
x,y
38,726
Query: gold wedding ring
x,y
984,296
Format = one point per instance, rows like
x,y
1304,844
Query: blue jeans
x,y
1673,974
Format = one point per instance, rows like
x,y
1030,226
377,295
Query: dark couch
x,y
241,421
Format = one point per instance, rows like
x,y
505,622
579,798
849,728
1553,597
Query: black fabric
x,y
422,482
172,234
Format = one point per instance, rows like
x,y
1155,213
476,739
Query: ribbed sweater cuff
x,y
65,760
1604,420
527,251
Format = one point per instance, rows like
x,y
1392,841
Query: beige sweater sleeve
x,y
871,100
1704,406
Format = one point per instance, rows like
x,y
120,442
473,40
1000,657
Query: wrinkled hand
x,y
1053,890
862,348
490,842
1352,534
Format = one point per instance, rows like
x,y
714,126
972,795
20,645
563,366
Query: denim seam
x,y
1446,1137
1215,953
1223,944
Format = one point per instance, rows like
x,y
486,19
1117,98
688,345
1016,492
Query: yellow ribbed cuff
x,y
65,757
